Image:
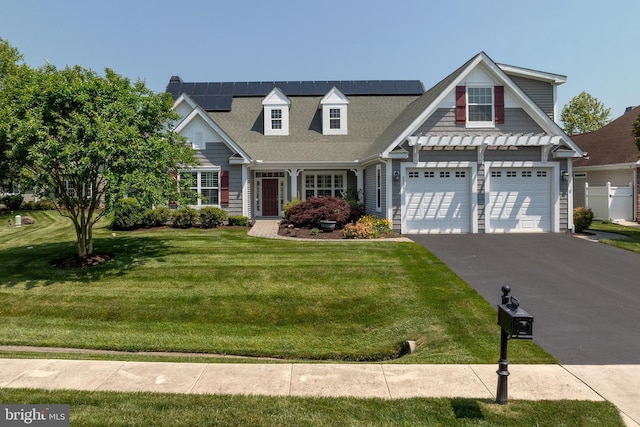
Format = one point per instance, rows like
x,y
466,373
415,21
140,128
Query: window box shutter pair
x,y
461,104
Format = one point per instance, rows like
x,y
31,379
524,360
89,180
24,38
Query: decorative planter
x,y
327,225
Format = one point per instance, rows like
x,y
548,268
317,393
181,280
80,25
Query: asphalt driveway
x,y
584,296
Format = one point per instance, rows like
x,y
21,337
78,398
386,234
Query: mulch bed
x,y
305,233
81,262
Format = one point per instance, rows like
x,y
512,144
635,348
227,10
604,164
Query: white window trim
x,y
483,124
334,100
276,100
198,187
315,189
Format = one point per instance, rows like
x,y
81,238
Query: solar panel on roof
x,y
388,87
200,88
293,88
375,87
214,102
361,87
296,88
307,88
226,88
347,87
213,89
254,89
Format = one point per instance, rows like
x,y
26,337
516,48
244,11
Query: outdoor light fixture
x,y
396,175
564,175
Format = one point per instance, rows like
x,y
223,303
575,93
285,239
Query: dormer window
x,y
334,113
276,113
480,104
276,119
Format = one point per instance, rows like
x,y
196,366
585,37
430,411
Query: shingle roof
x,y
412,112
611,144
368,117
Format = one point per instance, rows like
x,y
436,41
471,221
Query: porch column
x,y
293,173
359,173
245,191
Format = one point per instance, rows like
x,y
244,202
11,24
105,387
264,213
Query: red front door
x,y
270,197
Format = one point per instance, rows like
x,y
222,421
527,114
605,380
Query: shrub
x,y
582,218
211,217
308,214
156,217
367,227
13,201
128,214
45,205
289,205
238,220
184,218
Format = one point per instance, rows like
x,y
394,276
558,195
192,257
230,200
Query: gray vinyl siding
x,y
396,214
522,154
541,93
235,190
516,120
448,155
216,154
370,190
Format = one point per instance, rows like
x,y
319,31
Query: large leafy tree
x,y
584,113
90,140
10,65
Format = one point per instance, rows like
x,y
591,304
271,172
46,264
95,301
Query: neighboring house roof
x,y
611,144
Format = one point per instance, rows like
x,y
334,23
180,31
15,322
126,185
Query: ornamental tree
x,y
88,140
584,113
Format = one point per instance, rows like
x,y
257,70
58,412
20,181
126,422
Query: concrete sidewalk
x,y
619,384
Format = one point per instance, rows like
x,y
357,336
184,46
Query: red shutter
x,y
224,188
498,93
461,104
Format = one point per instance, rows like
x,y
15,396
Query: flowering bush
x,y
367,227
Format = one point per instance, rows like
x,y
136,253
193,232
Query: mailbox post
x,y
514,323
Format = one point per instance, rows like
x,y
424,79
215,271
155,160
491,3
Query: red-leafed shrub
x,y
309,213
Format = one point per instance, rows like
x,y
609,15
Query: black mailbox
x,y
515,321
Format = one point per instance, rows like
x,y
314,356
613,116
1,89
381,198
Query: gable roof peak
x,y
334,96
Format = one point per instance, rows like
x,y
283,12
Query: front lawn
x,y
221,291
153,409
630,243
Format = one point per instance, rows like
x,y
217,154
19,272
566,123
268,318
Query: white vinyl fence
x,y
609,202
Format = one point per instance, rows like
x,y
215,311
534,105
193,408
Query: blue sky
x,y
593,43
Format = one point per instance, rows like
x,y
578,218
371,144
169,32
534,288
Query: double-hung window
x,y
276,119
480,105
334,118
207,185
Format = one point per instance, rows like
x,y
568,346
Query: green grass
x,y
631,243
220,291
145,409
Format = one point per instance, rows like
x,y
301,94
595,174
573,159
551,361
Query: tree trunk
x,y
84,235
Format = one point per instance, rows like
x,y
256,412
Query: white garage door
x,y
437,201
519,200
